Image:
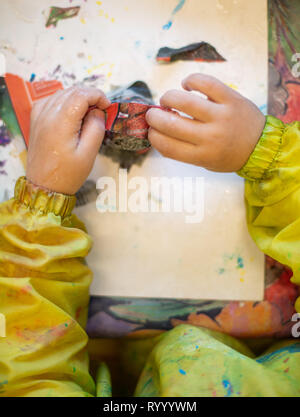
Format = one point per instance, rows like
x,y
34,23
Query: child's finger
x,y
191,104
92,132
173,125
172,148
80,99
213,88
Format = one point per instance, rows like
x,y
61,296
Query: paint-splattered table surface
x,y
109,44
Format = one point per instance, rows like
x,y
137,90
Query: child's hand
x,y
64,139
222,134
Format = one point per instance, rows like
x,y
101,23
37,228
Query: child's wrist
x,y
42,187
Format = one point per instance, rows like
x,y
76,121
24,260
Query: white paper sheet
x,y
155,254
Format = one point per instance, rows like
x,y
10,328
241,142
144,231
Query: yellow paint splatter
x,y
92,69
82,20
23,158
106,15
89,57
233,86
109,74
242,280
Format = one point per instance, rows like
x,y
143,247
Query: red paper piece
x,y
126,126
23,94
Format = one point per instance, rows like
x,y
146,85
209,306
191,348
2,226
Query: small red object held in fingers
x,y
126,126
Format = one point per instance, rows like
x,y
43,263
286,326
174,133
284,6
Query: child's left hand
x,y
222,133
65,138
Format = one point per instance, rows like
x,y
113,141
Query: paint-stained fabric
x,y
272,194
44,295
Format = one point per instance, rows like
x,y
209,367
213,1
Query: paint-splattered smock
x,y
44,295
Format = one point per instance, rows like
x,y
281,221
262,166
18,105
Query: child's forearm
x,y
272,193
44,294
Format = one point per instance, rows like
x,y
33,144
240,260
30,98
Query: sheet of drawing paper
x,y
110,44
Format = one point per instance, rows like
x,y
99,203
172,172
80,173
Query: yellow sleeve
x,y
44,295
272,194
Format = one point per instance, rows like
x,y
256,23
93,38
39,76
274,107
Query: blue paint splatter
x,y
280,353
179,6
176,10
182,372
3,383
228,387
61,38
32,77
240,262
263,108
167,25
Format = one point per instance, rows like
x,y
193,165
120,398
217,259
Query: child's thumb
x,y
92,132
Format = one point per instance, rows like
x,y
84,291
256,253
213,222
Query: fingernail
x,y
185,85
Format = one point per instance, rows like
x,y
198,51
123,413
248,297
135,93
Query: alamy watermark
x,y
296,326
296,67
152,195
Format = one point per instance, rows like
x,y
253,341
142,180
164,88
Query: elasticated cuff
x,y
266,152
41,200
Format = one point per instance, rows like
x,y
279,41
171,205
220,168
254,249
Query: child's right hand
x,y
65,139
222,132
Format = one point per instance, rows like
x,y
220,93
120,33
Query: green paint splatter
x,y
60,13
240,262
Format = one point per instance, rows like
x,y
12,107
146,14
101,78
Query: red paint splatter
x,y
78,311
